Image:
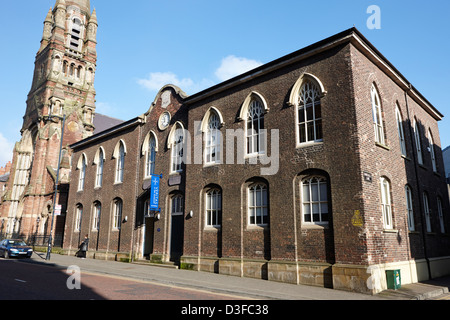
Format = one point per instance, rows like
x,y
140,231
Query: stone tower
x,y
63,85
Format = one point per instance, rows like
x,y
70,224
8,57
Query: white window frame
x,y
377,116
150,158
386,204
117,214
401,133
96,216
120,163
309,97
213,208
82,176
78,217
418,143
426,206
99,171
409,209
213,140
177,153
257,205
315,203
255,133
432,153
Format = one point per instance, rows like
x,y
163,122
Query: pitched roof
x,y
102,122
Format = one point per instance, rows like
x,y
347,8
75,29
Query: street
x,y
21,280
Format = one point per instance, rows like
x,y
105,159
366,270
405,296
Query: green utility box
x,y
393,279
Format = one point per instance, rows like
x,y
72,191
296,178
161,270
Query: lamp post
x,y
49,248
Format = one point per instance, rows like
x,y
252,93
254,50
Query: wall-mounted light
x,y
191,214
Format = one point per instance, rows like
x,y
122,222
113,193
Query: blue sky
x,y
194,44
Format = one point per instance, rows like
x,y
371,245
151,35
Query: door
x,y
176,228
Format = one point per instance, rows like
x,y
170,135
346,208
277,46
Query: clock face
x,y
164,120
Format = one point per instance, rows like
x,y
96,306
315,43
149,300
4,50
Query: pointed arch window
x,y
78,217
258,209
431,149
119,154
401,133
441,214
315,200
418,142
96,216
309,113
213,139
117,214
409,208
386,206
255,128
75,34
150,157
213,208
377,116
82,167
426,207
177,146
100,161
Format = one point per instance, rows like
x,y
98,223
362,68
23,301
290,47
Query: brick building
x,y
323,167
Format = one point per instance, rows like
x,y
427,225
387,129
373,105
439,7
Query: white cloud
x,y
157,80
6,150
232,66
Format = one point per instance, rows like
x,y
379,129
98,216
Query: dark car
x,y
15,248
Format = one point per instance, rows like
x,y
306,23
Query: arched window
x,y
119,155
401,134
258,210
432,153
386,206
418,142
75,34
117,213
255,128
177,205
309,113
150,157
377,115
96,214
82,164
78,217
409,208
213,207
177,146
100,161
213,139
315,200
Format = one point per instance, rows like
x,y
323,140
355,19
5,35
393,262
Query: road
x,y
29,281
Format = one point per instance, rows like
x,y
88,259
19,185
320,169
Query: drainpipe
x,y
416,167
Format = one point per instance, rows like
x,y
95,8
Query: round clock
x,y
164,120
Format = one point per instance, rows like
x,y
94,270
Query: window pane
x,y
306,193
315,192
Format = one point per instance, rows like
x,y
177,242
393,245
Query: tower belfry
x,y
62,85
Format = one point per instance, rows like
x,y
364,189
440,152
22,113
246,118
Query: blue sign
x,y
154,193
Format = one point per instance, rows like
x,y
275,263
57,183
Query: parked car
x,y
15,248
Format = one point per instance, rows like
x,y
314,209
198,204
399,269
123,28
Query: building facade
x,y
323,167
63,85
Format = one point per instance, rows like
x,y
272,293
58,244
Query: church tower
x,y
62,86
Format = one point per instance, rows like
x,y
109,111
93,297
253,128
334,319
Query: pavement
x,y
245,288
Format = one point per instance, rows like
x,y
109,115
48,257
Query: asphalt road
x,y
20,280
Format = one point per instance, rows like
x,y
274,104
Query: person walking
x,y
84,247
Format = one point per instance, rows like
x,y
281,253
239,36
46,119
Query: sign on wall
x,y
154,193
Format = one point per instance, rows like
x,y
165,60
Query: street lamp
x,y
49,248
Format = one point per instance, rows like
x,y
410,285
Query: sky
x,y
195,44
